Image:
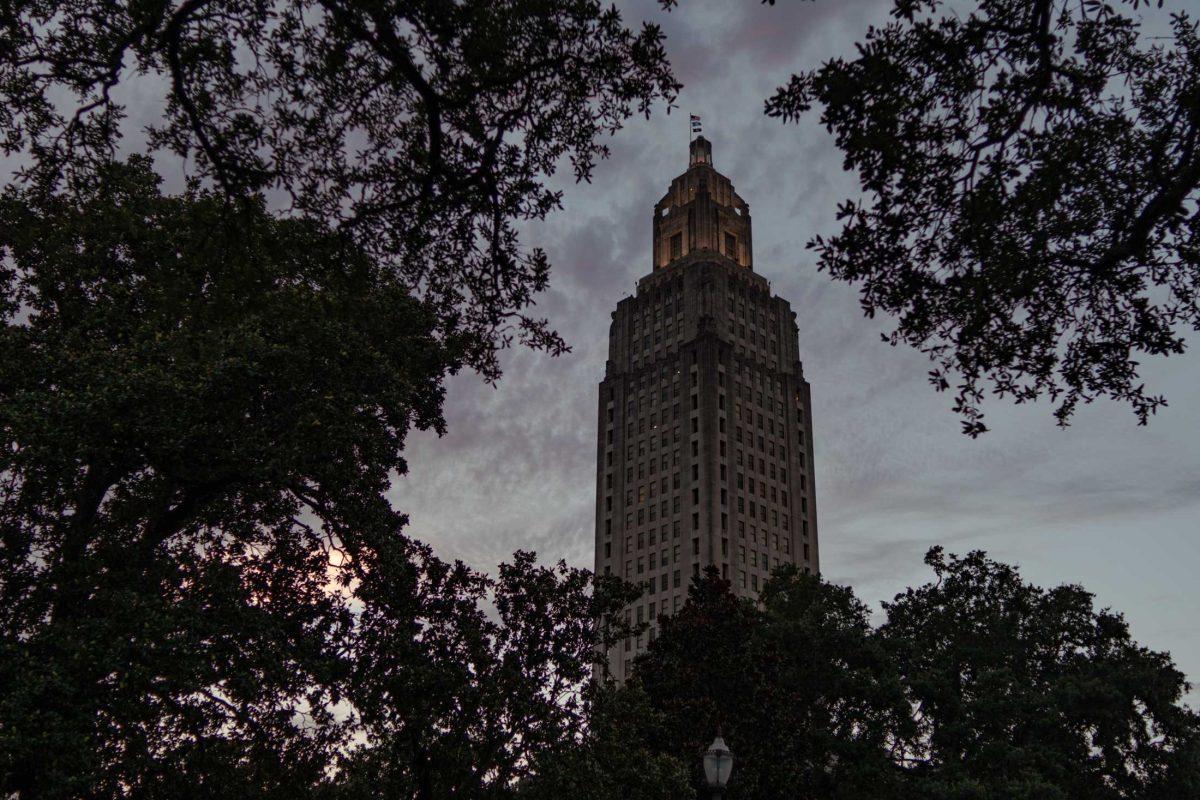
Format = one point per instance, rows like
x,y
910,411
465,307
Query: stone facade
x,y
705,452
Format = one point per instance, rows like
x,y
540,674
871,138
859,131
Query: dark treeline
x,y
975,685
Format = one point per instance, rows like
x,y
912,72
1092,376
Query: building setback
x,y
704,454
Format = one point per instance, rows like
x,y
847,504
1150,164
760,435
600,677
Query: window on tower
x,y
677,245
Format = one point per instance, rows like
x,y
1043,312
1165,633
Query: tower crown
x,y
701,213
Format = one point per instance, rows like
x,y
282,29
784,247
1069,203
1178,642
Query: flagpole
x,y
693,129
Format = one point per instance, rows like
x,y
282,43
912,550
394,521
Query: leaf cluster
x,y
204,591
976,684
451,702
1030,174
423,131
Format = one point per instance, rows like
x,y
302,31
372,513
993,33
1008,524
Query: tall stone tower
x,y
705,453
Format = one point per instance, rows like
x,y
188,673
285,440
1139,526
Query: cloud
x,y
1105,503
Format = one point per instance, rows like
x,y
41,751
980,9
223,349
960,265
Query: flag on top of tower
x,y
695,123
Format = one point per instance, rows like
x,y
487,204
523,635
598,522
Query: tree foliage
x,y
798,687
186,407
1022,692
205,591
1031,175
975,685
612,755
203,588
423,131
452,703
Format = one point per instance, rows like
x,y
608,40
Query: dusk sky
x,y
1105,503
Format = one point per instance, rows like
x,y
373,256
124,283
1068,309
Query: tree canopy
x,y
976,684
1023,692
199,413
798,687
451,702
204,397
1030,177
204,588
423,131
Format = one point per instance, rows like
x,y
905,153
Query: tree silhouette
x,y
204,591
200,414
1030,172
1023,692
798,686
424,131
976,684
204,397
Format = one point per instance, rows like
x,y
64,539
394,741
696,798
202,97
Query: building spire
x,y
701,212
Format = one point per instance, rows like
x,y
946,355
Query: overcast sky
x,y
1104,503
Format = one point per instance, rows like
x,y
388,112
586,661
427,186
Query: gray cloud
x,y
1105,503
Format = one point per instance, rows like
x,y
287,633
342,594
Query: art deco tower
x,y
705,429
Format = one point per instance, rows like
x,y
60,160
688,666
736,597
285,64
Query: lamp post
x,y
718,763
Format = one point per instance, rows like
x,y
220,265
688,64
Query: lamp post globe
x,y
718,763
